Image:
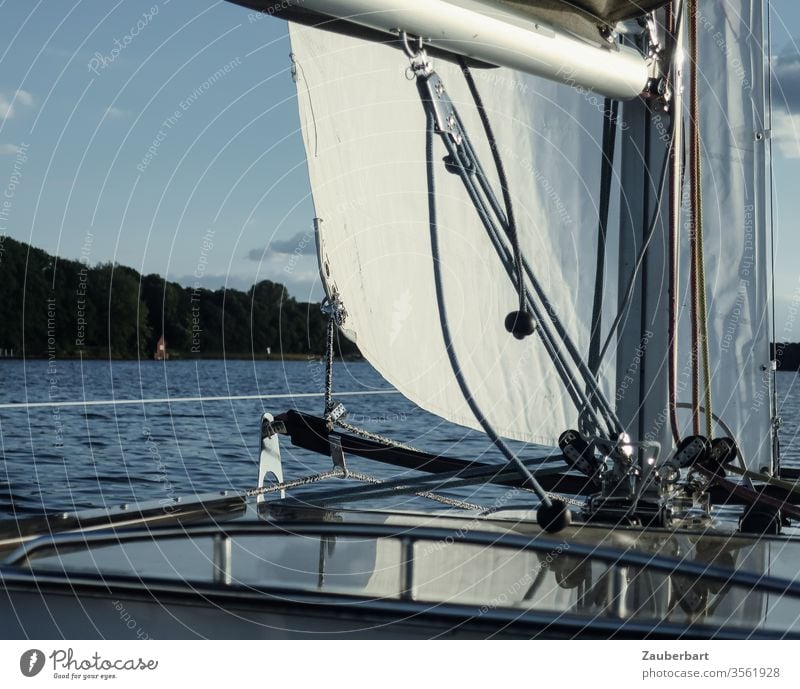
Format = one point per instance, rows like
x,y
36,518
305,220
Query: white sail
x,y
734,145
364,129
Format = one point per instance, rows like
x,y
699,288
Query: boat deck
x,y
231,567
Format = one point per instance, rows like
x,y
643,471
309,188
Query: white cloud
x,y
786,133
24,98
785,69
9,149
116,113
786,81
9,102
303,285
301,244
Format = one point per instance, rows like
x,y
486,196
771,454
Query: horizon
x,y
189,285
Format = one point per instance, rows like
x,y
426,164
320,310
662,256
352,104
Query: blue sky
x,y
121,144
786,148
107,154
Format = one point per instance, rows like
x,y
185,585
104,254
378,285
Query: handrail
x,y
539,544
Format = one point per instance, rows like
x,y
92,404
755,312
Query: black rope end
x,y
520,324
553,517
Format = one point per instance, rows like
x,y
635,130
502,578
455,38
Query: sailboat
x,y
547,221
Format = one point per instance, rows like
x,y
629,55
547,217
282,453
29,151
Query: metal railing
x,y
408,537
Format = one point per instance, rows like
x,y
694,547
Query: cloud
x,y
291,262
9,102
9,149
786,133
302,244
786,103
786,82
303,285
116,113
215,282
24,98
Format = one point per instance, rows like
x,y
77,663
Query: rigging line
x,y
177,400
699,300
422,486
600,400
606,173
693,227
645,245
675,185
776,450
336,315
442,499
676,24
364,478
377,437
473,177
501,173
466,160
467,165
329,364
645,298
445,327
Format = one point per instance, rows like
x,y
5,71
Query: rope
x,y
287,485
369,435
329,364
364,478
466,159
501,173
451,502
187,400
606,173
336,314
335,318
451,354
701,279
676,185
469,167
433,496
693,228
699,301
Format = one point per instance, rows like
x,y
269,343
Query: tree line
x,y
53,307
787,355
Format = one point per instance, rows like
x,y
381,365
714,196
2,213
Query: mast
x,y
642,383
730,163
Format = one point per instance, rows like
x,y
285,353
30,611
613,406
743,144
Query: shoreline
x,y
216,356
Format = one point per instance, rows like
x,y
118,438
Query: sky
x,y
163,135
136,152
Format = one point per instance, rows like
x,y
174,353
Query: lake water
x,y
68,458
57,459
